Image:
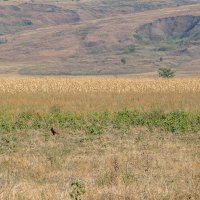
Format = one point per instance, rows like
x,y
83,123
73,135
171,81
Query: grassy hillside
x,y
90,37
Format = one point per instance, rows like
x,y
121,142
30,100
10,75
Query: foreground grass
x,y
103,155
138,164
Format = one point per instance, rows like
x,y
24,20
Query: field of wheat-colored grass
x,y
126,156
114,166
85,94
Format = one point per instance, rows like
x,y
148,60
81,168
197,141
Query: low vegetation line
x,y
100,122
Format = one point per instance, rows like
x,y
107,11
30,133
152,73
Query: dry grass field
x,y
113,166
117,164
86,94
129,135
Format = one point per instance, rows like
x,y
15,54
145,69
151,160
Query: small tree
x,y
166,73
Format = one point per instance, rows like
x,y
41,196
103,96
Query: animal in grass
x,y
54,132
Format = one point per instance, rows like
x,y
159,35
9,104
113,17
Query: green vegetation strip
x,y
98,123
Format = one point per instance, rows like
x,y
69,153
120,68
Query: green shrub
x,y
129,49
3,41
138,37
8,143
166,73
123,61
97,123
23,23
77,190
180,122
94,129
126,119
163,48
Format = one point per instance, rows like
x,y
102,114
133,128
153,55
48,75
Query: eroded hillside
x,y
98,37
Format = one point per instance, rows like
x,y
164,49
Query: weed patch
x,y
97,123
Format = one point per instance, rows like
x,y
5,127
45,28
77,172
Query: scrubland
x,y
120,138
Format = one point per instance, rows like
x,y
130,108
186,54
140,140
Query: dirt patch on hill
x,y
178,28
172,40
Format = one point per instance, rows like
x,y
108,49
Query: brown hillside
x,y
91,37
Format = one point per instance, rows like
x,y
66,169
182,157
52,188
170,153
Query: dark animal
x,y
54,132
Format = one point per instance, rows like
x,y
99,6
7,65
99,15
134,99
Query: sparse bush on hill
x,y
123,61
3,41
129,49
138,37
25,23
163,48
166,73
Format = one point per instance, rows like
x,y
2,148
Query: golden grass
x,y
113,166
85,94
116,165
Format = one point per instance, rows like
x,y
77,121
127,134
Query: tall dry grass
x,y
83,94
113,166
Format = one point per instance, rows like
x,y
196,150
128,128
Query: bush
x,y
27,23
180,122
77,190
123,61
129,49
3,41
166,73
164,48
24,23
138,37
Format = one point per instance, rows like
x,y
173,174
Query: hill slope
x,y
98,37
